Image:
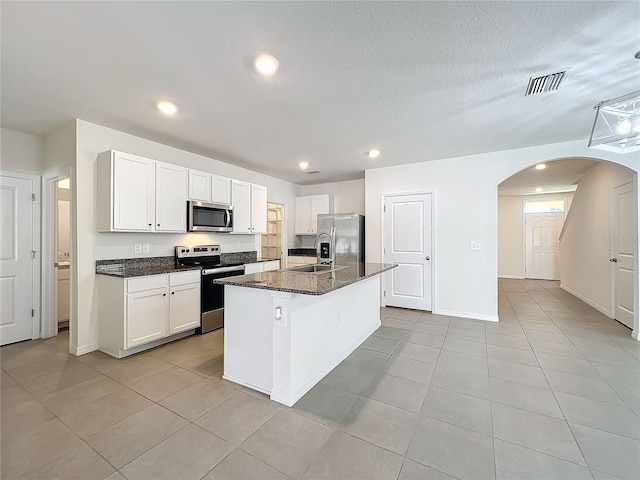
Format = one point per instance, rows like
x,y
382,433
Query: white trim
x,y
49,327
471,316
36,189
591,303
83,349
383,302
515,277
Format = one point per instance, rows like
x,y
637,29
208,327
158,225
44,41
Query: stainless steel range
x,y
212,295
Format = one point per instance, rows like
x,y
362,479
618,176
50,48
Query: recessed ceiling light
x,y
541,166
538,189
373,153
303,165
266,65
167,108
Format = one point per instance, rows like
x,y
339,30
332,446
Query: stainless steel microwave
x,y
209,217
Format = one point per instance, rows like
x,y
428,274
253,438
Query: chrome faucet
x,y
331,236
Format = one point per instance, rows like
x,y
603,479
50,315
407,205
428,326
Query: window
x,y
544,207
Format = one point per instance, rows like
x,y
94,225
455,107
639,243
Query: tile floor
x,y
551,392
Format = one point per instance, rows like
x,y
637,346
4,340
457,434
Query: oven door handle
x,y
227,218
213,271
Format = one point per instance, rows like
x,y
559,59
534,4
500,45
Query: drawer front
x,y
272,265
139,284
183,278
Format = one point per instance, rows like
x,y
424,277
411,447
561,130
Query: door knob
x,y
427,258
614,260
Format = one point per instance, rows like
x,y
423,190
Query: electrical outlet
x,y
137,248
475,245
145,248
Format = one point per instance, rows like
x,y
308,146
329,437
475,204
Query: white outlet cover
x,y
475,245
145,248
137,248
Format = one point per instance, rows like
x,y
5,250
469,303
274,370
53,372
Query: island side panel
x,y
248,337
319,332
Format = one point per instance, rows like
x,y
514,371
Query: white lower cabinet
x,y
261,266
142,312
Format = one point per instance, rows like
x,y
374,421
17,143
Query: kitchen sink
x,y
316,268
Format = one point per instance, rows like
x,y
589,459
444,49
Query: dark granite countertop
x,y
308,283
302,252
139,267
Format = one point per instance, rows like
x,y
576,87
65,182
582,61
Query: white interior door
x,y
542,245
623,253
407,242
16,264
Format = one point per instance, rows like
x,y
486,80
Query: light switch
x,y
145,248
137,248
475,245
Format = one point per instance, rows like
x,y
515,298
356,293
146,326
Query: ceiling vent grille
x,y
312,172
546,83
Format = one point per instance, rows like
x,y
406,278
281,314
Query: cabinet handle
x,y
150,224
164,294
173,293
158,225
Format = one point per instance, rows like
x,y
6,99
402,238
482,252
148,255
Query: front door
x,y
623,250
407,242
542,245
16,264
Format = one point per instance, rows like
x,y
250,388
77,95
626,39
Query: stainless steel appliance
x,y
340,239
209,217
211,295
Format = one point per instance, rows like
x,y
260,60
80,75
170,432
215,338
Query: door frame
x,y
36,182
612,314
49,324
434,257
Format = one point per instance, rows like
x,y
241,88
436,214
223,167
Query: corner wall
x,y
585,248
465,209
21,152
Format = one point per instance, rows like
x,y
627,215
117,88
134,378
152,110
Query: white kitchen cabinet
x,y
142,312
220,190
171,198
271,265
253,268
307,210
137,194
200,186
126,192
249,207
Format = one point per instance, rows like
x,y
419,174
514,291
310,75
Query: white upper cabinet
x,y
307,210
171,198
126,192
199,186
249,207
220,190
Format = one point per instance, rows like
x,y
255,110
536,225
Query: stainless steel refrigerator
x,y
340,239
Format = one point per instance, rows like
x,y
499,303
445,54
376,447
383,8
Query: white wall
x,y
585,248
466,208
21,152
91,245
511,242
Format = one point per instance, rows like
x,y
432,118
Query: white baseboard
x,y
591,303
470,316
83,349
514,277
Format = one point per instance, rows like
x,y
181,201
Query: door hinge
x,y
384,208
33,254
33,312
33,197
384,293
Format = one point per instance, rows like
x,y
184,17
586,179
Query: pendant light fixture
x,y
616,127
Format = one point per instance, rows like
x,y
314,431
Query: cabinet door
x,y
303,214
319,205
146,317
220,190
258,209
171,198
241,199
199,186
184,308
133,192
253,268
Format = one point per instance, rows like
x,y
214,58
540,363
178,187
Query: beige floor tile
x,y
187,454
127,439
241,465
79,394
95,416
50,363
198,399
52,382
169,381
204,364
137,368
19,417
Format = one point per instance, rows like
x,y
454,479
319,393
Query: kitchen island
x,y
285,330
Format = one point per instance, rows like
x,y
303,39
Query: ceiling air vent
x,y
312,172
546,83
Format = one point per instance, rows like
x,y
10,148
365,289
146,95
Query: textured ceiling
x,y
419,80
